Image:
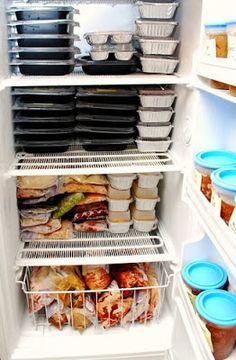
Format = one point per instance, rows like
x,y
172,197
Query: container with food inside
x,y
217,309
207,161
144,193
118,194
121,181
143,221
231,35
119,221
149,180
219,85
232,90
203,275
224,186
216,44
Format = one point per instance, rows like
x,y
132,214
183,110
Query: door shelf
x,y
78,161
217,69
79,79
223,94
94,248
220,234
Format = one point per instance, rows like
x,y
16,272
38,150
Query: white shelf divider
x,y
220,234
82,162
80,78
94,248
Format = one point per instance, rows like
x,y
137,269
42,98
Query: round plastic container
x,y
217,309
207,161
224,184
121,181
216,40
149,180
204,275
231,34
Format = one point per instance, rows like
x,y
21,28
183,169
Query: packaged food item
x,y
224,186
85,317
216,42
121,181
74,187
119,216
145,204
218,85
94,211
142,215
232,90
203,275
231,35
96,277
34,220
144,193
149,180
36,182
68,203
119,221
50,227
207,161
217,310
86,179
92,198
118,205
38,194
91,226
64,233
118,194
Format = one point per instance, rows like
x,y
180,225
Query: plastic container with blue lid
x,y
216,42
217,308
224,184
207,161
204,275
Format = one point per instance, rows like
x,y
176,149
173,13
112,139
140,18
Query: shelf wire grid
x,y
77,161
94,248
152,298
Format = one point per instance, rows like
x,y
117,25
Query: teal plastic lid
x,y
204,275
231,22
216,25
225,178
214,159
217,307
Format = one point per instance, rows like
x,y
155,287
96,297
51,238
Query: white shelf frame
x,y
94,248
76,162
223,94
220,234
81,79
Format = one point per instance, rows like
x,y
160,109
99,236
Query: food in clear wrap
x,y
92,198
96,276
36,182
91,226
64,233
31,196
67,203
129,276
95,211
141,300
86,179
73,187
112,306
35,216
56,314
51,226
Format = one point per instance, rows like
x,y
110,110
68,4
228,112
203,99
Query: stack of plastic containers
x,y
155,28
145,195
106,118
44,118
155,114
42,40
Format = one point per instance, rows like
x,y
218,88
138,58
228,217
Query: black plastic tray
x,y
46,40
25,123
44,26
43,146
43,13
45,53
27,102
21,117
90,132
105,144
104,91
33,115
46,70
46,91
97,120
118,104
45,134
108,67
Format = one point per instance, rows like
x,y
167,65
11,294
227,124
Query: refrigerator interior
x,y
201,122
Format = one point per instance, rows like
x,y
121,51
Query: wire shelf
x,y
100,309
94,248
77,161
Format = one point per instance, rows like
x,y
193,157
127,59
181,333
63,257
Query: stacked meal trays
x,y
155,115
111,53
63,207
155,29
44,118
95,297
106,118
42,40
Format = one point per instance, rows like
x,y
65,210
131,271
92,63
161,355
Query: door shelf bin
x,y
90,308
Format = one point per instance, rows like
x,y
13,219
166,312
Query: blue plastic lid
x,y
225,178
216,25
217,307
214,159
204,275
231,22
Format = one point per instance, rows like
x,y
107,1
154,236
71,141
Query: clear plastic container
x,y
145,225
149,180
119,216
224,185
216,40
144,193
207,161
118,205
217,310
145,204
231,35
143,215
119,221
118,194
204,275
121,181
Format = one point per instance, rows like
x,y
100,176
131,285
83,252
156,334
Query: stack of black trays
x,y
44,118
105,118
42,41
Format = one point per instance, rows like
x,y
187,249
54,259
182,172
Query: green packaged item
x,y
67,204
